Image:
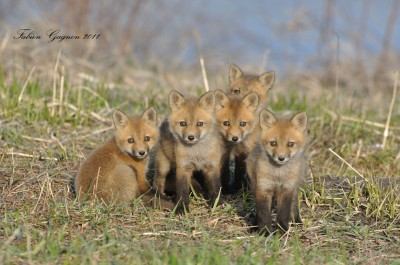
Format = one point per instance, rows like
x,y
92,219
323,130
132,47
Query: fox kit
x,y
237,122
115,172
276,167
242,84
189,143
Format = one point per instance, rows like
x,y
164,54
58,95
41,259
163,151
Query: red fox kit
x,y
237,122
189,143
276,167
242,84
115,172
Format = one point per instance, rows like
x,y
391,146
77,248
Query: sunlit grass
x,y
346,219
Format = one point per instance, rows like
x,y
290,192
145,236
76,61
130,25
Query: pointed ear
x,y
207,101
176,100
234,73
150,116
251,101
221,99
267,119
267,79
120,119
299,121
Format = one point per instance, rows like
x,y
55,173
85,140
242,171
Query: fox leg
x,y
142,181
153,199
213,182
284,206
240,171
295,209
163,166
225,175
183,177
263,208
122,186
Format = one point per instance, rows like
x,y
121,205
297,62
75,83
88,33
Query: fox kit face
x,y
236,116
282,139
137,134
242,84
191,119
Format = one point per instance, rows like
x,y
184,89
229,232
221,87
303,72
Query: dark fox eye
x,y
236,91
243,123
131,141
200,123
226,123
290,144
183,123
147,138
273,143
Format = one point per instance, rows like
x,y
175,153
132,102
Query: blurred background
x,y
350,43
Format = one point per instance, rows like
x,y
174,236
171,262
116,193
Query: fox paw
x,y
180,209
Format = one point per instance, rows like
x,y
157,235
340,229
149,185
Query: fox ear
x,y
234,73
120,119
267,119
150,116
267,79
251,101
299,121
176,100
221,99
207,101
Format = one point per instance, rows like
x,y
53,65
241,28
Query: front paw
x,y
298,220
228,190
264,231
216,202
181,208
284,226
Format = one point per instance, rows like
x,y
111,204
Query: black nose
x,y
281,158
142,153
235,138
191,137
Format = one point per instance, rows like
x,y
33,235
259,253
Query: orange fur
x,y
189,143
237,122
116,171
277,166
242,84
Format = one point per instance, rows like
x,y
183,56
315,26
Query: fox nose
x,y
142,153
281,158
191,137
235,138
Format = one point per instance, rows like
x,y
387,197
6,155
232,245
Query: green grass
x,y
346,220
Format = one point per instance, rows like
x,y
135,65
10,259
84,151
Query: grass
x,y
347,220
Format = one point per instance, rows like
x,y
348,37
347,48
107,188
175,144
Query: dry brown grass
x,y
345,219
63,112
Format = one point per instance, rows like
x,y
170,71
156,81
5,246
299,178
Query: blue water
x,y
262,33
289,30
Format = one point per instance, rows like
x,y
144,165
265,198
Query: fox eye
x,y
147,138
226,123
243,123
273,143
290,144
200,123
236,91
131,141
183,123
